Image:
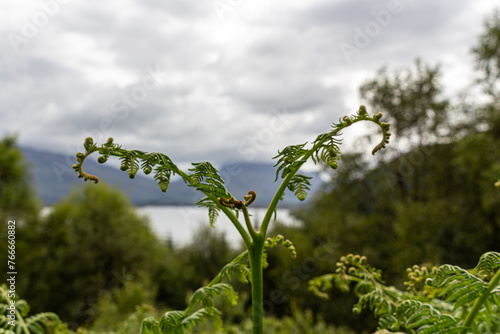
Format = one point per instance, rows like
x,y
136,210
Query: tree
x,y
90,243
487,54
17,197
411,100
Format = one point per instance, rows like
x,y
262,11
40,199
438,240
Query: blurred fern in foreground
x,y
14,316
447,299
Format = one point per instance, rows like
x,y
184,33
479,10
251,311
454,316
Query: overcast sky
x,y
213,80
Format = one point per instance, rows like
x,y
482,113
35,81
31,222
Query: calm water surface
x,y
179,223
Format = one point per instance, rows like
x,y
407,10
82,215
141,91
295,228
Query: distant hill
x,y
54,178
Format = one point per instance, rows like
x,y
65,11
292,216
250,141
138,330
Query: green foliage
x,y
39,323
201,304
88,245
453,300
206,179
487,53
116,306
17,197
410,98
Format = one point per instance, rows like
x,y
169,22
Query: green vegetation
x,y
447,299
429,199
14,316
205,178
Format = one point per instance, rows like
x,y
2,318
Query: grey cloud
x,y
214,97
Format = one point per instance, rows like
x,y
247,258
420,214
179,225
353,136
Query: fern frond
x,y
328,149
207,179
150,326
205,294
325,148
22,307
213,209
321,284
488,265
280,240
424,318
200,315
171,322
300,185
458,285
41,322
237,268
287,158
380,300
6,331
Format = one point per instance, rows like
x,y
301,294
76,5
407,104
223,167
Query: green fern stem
x,y
241,230
19,317
255,252
362,116
279,193
495,280
244,235
248,223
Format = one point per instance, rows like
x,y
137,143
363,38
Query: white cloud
x,y
223,79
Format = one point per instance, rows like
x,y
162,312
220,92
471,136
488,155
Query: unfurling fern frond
x,y
204,296
328,149
207,179
237,268
150,325
470,303
280,240
213,210
300,185
39,323
425,319
201,304
325,148
287,158
457,285
488,265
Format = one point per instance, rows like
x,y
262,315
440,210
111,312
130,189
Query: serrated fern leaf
x,y
239,270
6,331
380,300
207,179
458,285
205,295
41,322
488,265
199,315
171,322
150,326
424,318
213,209
300,185
287,158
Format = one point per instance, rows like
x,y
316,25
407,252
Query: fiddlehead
x,y
280,240
326,148
204,177
232,203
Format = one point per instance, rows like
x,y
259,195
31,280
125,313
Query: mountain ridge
x,y
54,179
